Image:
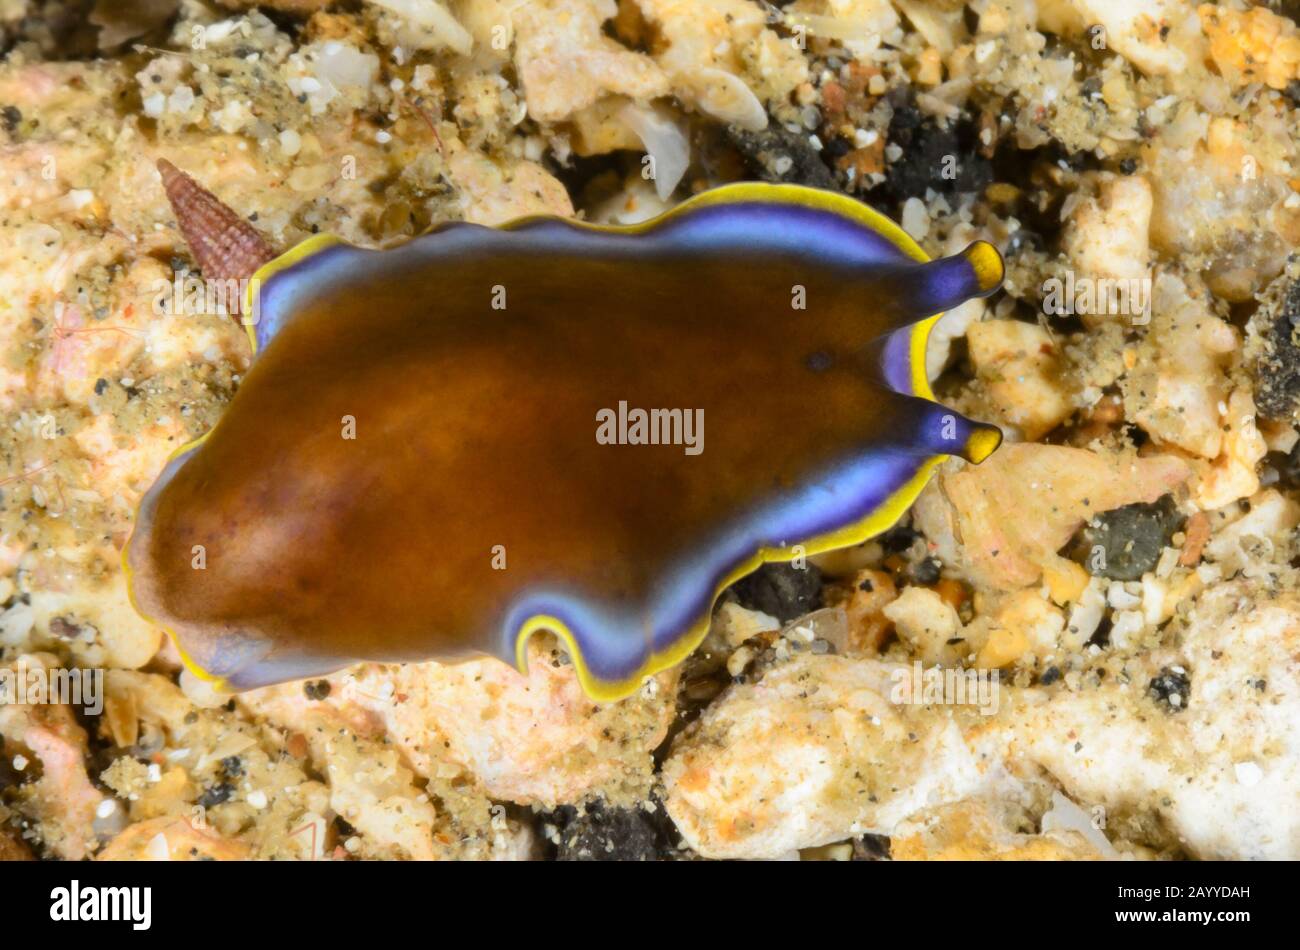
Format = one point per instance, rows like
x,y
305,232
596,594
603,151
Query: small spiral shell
x,y
225,246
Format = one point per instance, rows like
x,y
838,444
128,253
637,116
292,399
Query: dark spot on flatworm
x,y
1050,676
820,361
316,689
232,766
782,590
1170,689
1129,539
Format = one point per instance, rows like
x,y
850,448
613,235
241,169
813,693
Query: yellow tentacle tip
x,y
987,264
982,443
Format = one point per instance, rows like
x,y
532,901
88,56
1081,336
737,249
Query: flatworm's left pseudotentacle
x,y
419,464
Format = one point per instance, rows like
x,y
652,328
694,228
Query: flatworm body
x,y
436,452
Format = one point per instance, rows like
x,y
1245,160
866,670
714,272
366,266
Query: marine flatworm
x,y
412,467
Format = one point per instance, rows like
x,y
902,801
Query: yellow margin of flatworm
x,y
981,444
298,252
